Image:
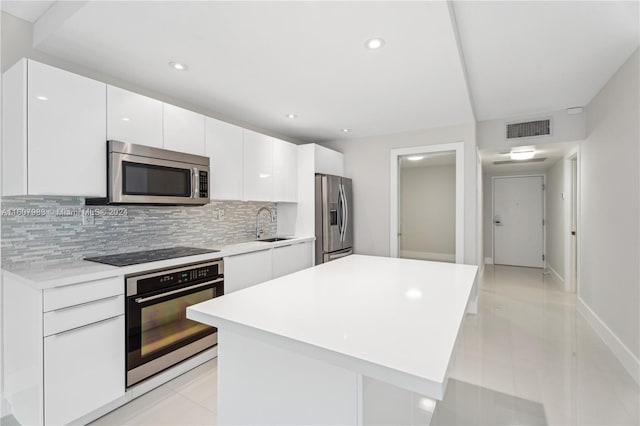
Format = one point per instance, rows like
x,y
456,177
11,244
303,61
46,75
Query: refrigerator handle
x,y
345,204
340,218
342,212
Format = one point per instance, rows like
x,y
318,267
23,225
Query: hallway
x,y
529,341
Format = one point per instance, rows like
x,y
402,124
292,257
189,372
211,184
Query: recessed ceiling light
x,y
374,43
264,175
42,98
413,293
178,66
346,130
125,118
522,155
292,115
415,157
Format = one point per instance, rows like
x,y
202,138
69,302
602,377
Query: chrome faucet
x,y
263,208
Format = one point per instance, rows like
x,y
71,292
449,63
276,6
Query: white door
x,y
518,221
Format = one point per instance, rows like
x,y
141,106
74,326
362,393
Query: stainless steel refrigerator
x,y
334,218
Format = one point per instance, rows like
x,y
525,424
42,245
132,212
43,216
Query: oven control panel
x,y
175,276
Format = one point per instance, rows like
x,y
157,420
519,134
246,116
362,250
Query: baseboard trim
x,y
556,276
422,255
619,349
488,260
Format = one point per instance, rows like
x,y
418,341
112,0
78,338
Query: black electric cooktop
x,y
136,257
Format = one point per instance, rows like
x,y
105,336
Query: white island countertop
x,y
396,320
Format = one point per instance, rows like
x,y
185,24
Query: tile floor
x,y
528,357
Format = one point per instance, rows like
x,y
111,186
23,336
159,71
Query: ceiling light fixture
x,y
374,43
292,115
42,98
178,66
413,293
125,118
522,155
415,157
346,130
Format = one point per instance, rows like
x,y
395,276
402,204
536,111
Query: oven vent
x,y
529,129
533,160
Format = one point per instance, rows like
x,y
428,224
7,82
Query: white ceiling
x,y
257,61
254,62
526,57
27,10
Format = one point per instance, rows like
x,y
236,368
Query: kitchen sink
x,y
272,240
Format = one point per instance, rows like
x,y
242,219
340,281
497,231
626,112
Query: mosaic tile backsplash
x,y
51,229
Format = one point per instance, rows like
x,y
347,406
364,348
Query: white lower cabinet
x,y
83,370
64,349
290,259
244,270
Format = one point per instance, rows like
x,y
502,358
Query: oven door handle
x,y
180,290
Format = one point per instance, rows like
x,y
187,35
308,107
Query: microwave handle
x,y
195,183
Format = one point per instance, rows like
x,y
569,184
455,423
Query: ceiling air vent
x,y
529,129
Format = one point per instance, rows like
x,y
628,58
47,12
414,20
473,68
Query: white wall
x,y
428,212
564,128
367,160
609,242
17,43
555,221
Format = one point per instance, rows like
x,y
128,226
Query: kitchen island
x,y
339,343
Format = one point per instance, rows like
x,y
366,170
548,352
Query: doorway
x,y
571,284
413,233
427,207
518,220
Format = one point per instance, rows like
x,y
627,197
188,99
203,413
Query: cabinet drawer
x,y
61,297
77,316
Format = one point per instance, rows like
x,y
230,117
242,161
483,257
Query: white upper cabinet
x,y
224,147
183,130
258,166
53,119
133,118
285,171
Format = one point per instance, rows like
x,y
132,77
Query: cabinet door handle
x,y
71,330
104,299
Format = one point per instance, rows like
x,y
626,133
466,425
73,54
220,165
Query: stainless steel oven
x,y
159,335
138,174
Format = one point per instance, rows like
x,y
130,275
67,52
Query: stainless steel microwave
x,y
138,174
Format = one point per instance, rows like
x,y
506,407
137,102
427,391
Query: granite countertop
x,y
396,320
57,274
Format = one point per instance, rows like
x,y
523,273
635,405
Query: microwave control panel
x,y
204,184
